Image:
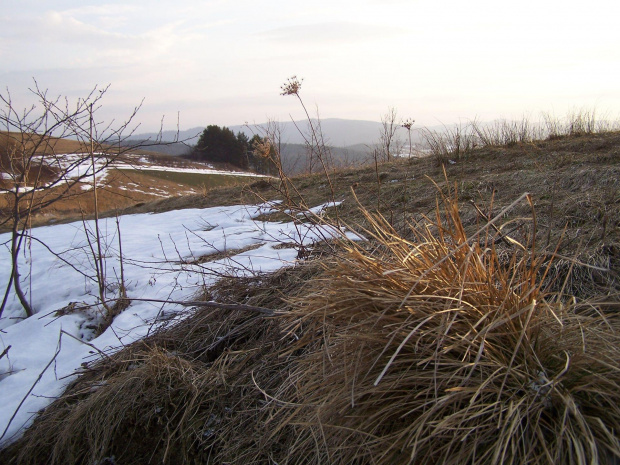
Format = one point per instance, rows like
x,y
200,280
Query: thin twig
x,y
196,303
58,347
5,352
85,343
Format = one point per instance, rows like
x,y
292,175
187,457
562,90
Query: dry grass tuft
x,y
178,397
435,350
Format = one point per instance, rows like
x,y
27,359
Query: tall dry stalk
x,y
318,150
98,253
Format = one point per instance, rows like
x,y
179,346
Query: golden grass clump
x,y
436,350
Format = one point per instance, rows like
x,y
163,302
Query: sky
x,y
196,62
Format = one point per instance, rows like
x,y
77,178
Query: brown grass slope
x,y
121,188
119,191
476,325
573,181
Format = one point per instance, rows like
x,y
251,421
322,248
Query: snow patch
x,y
158,255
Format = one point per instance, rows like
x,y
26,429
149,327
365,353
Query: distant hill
x,y
167,148
336,132
294,157
350,141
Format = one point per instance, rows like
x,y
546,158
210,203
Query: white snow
x,y
319,209
72,166
19,189
80,165
158,252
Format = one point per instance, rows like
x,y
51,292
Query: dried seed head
x,y
263,147
291,86
408,123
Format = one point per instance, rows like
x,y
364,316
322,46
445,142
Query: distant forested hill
x,y
167,148
294,157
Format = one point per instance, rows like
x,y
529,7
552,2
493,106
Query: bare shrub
x,y
453,143
389,143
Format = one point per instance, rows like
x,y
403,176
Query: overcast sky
x,y
222,62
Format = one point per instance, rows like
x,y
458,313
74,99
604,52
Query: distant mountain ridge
x,y
336,132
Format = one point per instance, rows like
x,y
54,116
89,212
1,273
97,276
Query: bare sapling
x,y
268,148
389,126
98,258
38,171
294,204
318,150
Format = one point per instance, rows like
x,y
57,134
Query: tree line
x,y
220,145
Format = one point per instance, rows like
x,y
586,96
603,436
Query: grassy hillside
x,y
195,179
65,145
134,177
478,323
572,182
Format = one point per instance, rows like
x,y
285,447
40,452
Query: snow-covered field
x,y
158,250
72,166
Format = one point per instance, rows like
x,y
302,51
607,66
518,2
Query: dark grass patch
x,y
571,182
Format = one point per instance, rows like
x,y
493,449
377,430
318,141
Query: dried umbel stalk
x,y
292,86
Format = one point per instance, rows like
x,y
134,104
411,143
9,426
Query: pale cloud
x,y
59,38
62,27
340,32
106,16
52,25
